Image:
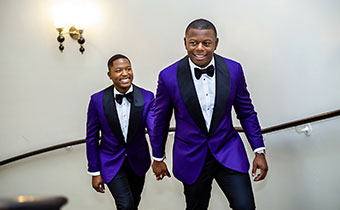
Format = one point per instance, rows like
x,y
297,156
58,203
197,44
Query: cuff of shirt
x,y
159,159
97,173
260,149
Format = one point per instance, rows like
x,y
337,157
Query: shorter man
x,y
120,113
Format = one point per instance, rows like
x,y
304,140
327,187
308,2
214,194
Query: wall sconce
x,y
76,34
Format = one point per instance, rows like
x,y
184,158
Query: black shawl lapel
x,y
189,95
136,113
111,115
222,91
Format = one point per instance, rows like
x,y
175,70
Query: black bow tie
x,y
209,71
128,96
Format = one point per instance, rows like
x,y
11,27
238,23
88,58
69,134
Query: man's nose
x,y
200,46
124,72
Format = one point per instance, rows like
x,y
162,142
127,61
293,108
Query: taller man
x,y
201,88
120,113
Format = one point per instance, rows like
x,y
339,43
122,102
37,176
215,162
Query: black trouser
x,y
236,187
126,188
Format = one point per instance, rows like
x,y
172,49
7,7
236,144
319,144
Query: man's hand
x,y
160,170
260,163
97,184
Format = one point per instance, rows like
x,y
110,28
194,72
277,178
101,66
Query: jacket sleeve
x,y
245,112
150,115
92,137
163,112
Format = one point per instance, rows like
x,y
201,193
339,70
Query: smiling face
x,y
200,45
121,74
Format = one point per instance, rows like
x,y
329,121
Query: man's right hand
x,y
98,184
160,170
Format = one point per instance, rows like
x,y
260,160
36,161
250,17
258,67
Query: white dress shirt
x,y
123,111
205,89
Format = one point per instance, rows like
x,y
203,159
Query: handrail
x,y
282,126
295,123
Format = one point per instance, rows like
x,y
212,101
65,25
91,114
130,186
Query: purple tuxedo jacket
x,y
107,155
176,91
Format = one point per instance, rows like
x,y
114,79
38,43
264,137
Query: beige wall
x,y
289,50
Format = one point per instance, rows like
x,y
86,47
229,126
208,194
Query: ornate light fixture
x,y
76,34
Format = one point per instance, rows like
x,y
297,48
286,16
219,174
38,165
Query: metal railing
x,y
282,126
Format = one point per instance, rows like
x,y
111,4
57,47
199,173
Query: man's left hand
x,y
260,163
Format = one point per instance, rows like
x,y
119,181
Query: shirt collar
x,y
193,66
115,91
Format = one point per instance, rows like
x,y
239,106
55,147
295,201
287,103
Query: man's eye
x,y
207,44
192,43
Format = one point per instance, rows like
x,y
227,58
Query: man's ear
x,y
109,74
216,43
185,43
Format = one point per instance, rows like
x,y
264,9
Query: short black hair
x,y
201,24
115,57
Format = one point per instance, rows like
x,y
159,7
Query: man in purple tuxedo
x,y
202,88
120,113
